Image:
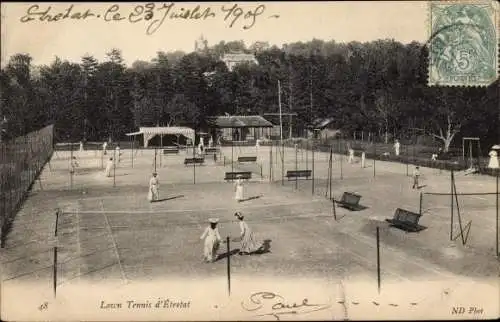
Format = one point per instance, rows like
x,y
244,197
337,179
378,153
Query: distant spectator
x,y
117,149
416,175
397,145
493,164
351,155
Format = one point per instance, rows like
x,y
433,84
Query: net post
x,y
496,202
161,153
334,209
341,163
271,163
296,152
312,151
228,265
57,221
156,151
54,272
451,204
114,167
307,153
331,170
420,204
282,154
374,157
194,164
378,259
71,170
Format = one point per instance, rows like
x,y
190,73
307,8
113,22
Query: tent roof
x,y
134,133
239,121
151,131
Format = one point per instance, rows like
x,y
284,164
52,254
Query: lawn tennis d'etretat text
x,y
157,304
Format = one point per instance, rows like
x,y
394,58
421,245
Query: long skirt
x,y
239,193
493,162
153,193
108,170
210,250
248,243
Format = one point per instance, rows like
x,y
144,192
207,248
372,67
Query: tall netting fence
x,y
21,161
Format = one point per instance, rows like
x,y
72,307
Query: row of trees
x,y
379,86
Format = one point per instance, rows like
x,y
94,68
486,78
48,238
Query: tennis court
x,y
108,231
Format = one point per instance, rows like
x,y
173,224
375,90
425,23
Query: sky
x,y
275,22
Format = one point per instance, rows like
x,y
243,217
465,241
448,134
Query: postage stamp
x,y
248,161
463,43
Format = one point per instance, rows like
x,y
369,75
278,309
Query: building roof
x,y
238,57
321,123
239,121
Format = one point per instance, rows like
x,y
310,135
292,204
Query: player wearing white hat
x,y
212,241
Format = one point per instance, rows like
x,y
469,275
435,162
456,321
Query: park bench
x,y
247,159
188,161
349,201
171,150
298,174
406,220
234,175
211,150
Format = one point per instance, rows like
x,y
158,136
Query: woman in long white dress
x,y
154,185
109,167
248,243
238,189
397,146
212,241
351,155
493,160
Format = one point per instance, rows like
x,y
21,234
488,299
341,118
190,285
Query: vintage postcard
x,y
249,161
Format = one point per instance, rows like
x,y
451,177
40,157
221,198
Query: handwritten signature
x,y
152,14
271,304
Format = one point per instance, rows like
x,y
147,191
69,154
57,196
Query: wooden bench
x,y
349,201
194,161
298,174
247,159
171,150
211,150
234,175
406,220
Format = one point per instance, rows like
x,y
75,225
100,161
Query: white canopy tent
x,y
151,132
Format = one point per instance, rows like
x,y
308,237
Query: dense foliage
x,y
380,86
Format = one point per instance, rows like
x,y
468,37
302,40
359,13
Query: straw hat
x,y
213,220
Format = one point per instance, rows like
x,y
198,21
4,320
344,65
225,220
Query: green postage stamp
x,y
463,43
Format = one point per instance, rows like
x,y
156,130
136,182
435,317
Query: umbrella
x,y
495,147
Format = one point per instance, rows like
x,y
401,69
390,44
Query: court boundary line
x,y
161,211
110,231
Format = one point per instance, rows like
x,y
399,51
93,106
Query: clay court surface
x,y
109,231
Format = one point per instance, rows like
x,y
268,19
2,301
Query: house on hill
x,y
233,59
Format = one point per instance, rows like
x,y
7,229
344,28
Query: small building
x,y
240,127
323,128
233,59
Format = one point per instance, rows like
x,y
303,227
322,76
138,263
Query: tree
x,y
181,111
